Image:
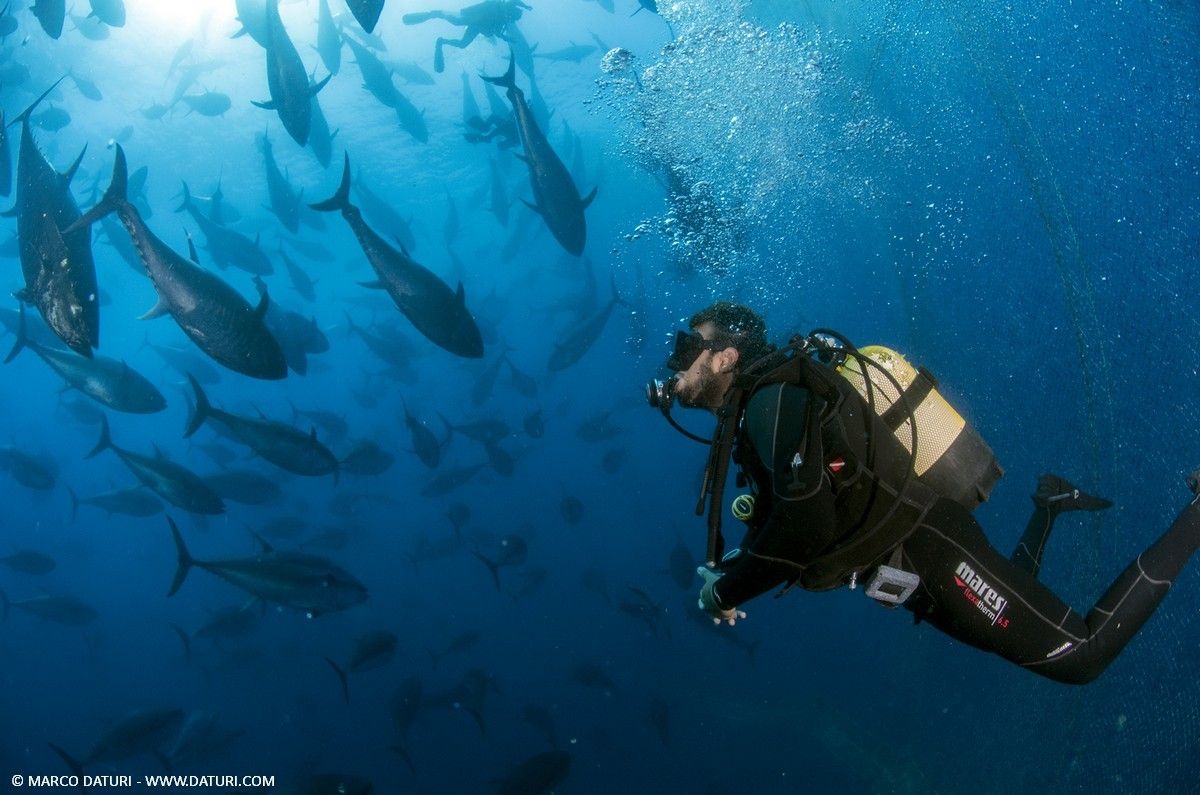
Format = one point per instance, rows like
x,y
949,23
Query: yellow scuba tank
x,y
952,458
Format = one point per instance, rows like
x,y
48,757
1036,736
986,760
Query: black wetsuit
x,y
968,589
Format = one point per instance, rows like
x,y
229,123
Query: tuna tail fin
x,y
312,91
492,567
202,410
24,115
509,79
105,440
71,761
185,559
187,651
22,338
341,199
337,669
187,199
114,198
74,503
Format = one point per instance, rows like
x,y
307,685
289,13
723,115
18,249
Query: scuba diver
x,y
862,475
490,18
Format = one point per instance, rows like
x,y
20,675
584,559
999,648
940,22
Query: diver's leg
x,y
439,61
1054,496
424,16
969,591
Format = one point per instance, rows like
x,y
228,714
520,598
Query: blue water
x,y
1007,194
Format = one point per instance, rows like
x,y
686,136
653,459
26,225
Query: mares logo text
x,y
983,596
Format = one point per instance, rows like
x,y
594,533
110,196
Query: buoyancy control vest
x,y
889,444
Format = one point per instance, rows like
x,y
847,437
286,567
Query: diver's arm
x,y
802,522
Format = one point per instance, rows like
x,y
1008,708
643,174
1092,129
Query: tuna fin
x,y
461,295
114,197
533,207
74,503
240,33
158,310
267,549
22,339
312,90
201,411
105,440
185,559
24,115
337,669
341,199
192,253
187,199
268,105
71,761
492,567
264,301
9,213
187,655
521,157
69,174
375,285
508,79
590,197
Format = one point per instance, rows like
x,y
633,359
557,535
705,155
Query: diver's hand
x,y
708,601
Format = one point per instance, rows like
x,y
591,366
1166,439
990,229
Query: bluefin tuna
x,y
174,483
287,79
435,310
60,276
309,583
209,311
556,199
286,447
107,381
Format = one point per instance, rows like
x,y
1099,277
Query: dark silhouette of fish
x,y
309,583
371,651
573,53
65,610
27,561
435,310
253,16
107,381
556,199
284,446
329,38
110,12
50,14
366,12
210,103
86,87
30,471
580,341
285,202
287,79
320,140
425,444
244,486
136,502
229,249
144,732
300,279
60,276
367,458
539,774
174,483
210,312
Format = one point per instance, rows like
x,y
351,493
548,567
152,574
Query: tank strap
x,y
915,393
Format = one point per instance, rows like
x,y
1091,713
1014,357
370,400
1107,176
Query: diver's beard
x,y
704,393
